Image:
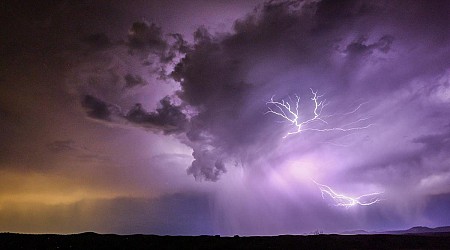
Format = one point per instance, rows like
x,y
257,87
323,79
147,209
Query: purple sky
x,y
150,116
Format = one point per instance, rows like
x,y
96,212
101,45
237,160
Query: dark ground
x,y
110,241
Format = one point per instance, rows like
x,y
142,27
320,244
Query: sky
x,y
224,117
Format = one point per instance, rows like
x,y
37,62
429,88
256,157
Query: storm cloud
x,y
167,117
170,99
344,50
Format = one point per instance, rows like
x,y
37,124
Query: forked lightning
x,y
289,111
348,201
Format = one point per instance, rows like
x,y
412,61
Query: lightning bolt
x,y
347,201
289,111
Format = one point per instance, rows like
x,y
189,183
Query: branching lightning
x,y
347,201
289,111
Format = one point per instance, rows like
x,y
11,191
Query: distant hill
x,y
413,230
356,232
420,230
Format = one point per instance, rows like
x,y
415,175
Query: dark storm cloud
x,y
107,75
208,84
359,47
206,165
345,49
214,75
148,38
167,117
212,78
180,44
143,35
96,108
133,80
